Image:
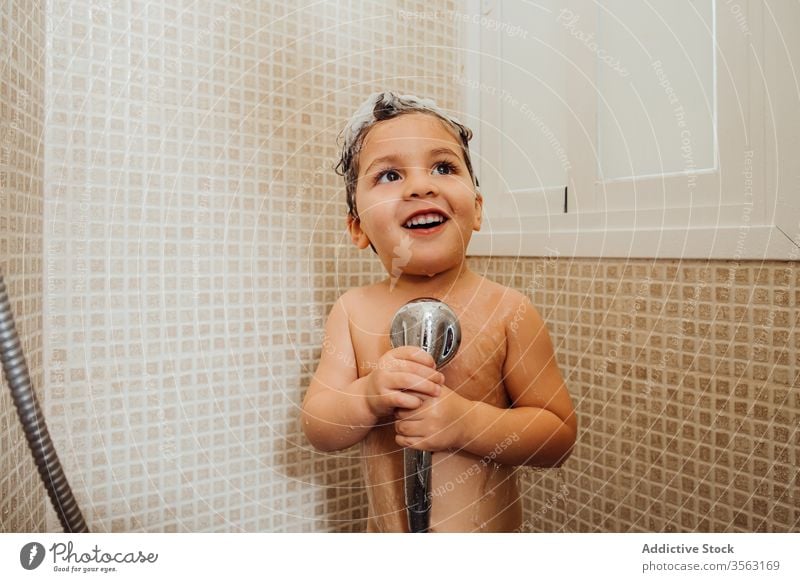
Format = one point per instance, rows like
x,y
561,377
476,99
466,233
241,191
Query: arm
x,y
540,428
335,414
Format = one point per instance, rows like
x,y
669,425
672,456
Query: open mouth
x,y
428,221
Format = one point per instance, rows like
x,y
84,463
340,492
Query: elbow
x,y
563,458
319,442
309,426
321,445
569,440
557,462
562,447
315,433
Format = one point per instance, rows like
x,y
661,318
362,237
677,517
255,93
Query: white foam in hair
x,y
365,114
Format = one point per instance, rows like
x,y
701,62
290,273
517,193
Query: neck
x,y
437,285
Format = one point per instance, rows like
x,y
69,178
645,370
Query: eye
x,y
450,167
391,175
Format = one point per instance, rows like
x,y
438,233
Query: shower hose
x,y
33,423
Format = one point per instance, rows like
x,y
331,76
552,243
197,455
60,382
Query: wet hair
x,y
379,107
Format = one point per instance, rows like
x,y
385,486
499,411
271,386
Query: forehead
x,y
408,133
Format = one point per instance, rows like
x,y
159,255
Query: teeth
x,y
425,219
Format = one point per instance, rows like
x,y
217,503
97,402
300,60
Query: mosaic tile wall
x,y
685,378
195,234
22,45
195,243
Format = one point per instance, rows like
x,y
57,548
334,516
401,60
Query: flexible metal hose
x,y
33,423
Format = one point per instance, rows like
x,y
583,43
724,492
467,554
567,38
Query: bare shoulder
x,y
364,292
507,301
356,298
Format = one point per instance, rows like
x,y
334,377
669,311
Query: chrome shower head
x,y
433,326
429,324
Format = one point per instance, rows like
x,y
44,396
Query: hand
x,y
402,378
436,425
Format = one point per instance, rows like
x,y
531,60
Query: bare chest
x,y
476,370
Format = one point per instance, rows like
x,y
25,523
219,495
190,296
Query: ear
x,y
357,234
476,225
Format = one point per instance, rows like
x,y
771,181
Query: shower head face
x,y
429,324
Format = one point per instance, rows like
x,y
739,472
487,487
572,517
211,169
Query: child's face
x,y
407,165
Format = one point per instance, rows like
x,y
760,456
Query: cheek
x,y
467,209
378,208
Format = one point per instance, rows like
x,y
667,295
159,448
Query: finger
x,y
412,382
415,354
404,400
411,413
402,414
408,442
409,428
420,370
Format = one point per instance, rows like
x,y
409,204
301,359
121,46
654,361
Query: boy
x,y
500,402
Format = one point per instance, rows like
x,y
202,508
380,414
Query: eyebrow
x,y
393,157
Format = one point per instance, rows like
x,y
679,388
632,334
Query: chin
x,y
431,267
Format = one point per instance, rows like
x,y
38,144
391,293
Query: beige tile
x,y
23,502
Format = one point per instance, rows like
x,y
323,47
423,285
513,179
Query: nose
x,y
420,183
